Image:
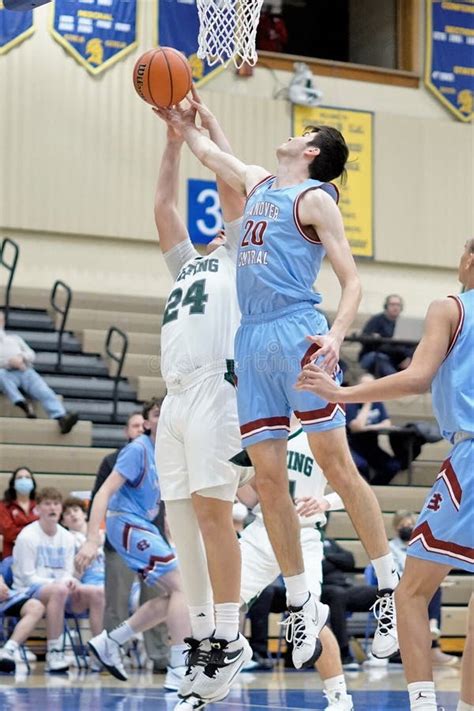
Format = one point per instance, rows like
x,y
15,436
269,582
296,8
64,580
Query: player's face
x,y
134,427
215,244
465,264
74,518
49,510
296,145
151,423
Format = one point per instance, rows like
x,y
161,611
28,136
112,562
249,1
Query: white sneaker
x,y
338,701
226,660
385,642
174,678
303,626
7,661
197,656
375,662
31,656
193,703
108,653
56,662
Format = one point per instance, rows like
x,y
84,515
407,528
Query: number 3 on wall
x,y
204,213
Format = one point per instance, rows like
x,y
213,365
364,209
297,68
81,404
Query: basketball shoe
x,y
385,642
196,659
338,701
303,626
194,703
225,661
108,653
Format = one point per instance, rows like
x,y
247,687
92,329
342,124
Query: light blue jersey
x,y
279,259
140,494
453,385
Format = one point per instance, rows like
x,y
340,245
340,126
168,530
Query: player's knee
x,y
271,483
35,608
58,592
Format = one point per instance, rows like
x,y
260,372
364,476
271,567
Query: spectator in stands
x,y
403,523
22,605
363,424
18,378
342,595
43,564
18,507
118,576
387,358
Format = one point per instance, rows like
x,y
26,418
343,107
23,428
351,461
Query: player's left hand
x,y
85,556
308,506
327,354
314,379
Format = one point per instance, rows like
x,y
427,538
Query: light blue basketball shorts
x,y
141,546
444,532
270,350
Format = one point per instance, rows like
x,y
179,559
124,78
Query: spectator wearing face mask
x,y
18,508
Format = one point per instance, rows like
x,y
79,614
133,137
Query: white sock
x,y
11,646
386,572
422,696
297,590
336,684
122,633
56,644
227,621
177,652
202,620
462,706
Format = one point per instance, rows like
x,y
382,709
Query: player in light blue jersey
x,y
444,535
130,496
291,221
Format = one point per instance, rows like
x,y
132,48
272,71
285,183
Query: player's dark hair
x,y
331,161
49,493
74,501
149,405
10,493
132,415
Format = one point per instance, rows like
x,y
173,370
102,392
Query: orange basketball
x,y
162,77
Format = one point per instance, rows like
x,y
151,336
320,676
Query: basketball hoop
x,y
228,30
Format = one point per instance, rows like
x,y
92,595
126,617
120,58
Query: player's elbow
x,y
417,383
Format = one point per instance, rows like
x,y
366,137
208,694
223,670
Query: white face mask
x,y
23,485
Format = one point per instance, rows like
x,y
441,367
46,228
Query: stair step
x,y
77,364
93,341
48,341
108,436
81,387
29,319
52,459
14,430
100,411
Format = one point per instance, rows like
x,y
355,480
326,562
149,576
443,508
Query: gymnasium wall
x,y
79,157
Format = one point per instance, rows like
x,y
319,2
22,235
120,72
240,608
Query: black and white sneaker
x,y
197,656
303,626
385,642
225,661
194,703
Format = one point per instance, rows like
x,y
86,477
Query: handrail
x,y
11,268
64,311
119,359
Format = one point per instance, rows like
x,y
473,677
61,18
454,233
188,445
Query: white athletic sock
x,y
336,684
122,633
462,706
56,644
297,590
177,652
202,620
11,646
227,621
422,696
386,572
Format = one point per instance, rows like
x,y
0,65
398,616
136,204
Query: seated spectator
x,y
342,595
43,565
403,523
18,507
385,359
18,378
74,518
30,612
363,421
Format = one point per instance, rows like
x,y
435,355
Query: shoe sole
x,y
112,670
7,666
386,656
195,702
63,670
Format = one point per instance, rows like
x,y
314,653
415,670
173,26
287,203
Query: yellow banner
x,y
356,201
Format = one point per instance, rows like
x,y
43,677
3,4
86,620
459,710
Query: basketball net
x,y
228,30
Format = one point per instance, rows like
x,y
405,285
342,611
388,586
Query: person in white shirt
x,y
43,565
16,371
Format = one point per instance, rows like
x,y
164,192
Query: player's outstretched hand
x,y
308,506
179,117
85,556
314,379
205,114
327,354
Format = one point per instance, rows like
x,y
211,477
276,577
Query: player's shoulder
x,y
447,306
255,176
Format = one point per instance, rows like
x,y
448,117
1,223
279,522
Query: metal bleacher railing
x,y
63,311
119,358
10,266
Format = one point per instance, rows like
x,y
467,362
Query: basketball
x,y
162,77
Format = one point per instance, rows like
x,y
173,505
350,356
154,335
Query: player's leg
x,y
54,597
31,613
90,598
466,702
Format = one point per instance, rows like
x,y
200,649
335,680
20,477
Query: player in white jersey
x,y
260,566
198,432
444,535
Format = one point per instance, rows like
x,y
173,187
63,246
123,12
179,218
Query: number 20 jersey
x,y
279,259
202,312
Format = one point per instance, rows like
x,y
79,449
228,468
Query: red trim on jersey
x,y
264,423
255,187
310,352
323,414
448,475
458,330
424,535
308,232
156,559
127,530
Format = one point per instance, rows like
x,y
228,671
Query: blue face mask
x,y
24,485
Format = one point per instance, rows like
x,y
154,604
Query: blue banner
x,y
178,27
204,213
14,28
449,70
96,32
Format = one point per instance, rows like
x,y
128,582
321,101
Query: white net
x,y
228,30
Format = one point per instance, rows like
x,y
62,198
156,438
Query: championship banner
x,y
356,196
449,67
178,27
14,28
96,32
